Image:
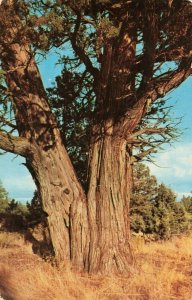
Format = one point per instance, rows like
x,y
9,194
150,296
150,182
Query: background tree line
x,y
154,208
13,214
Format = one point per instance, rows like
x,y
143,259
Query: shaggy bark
x,y
108,198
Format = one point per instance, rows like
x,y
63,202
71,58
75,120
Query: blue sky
x,y
174,163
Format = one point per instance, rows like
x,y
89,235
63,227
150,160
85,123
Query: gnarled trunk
x,y
108,204
64,203
63,198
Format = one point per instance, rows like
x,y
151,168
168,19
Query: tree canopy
x,y
159,51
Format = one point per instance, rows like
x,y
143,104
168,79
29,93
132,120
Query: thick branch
x,y
172,55
164,56
16,145
150,37
157,88
161,86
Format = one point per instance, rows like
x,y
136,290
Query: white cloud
x,y
176,162
181,194
21,183
175,168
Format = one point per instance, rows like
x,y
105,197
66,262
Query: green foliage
x,y
16,208
187,202
154,208
82,30
35,211
13,213
144,191
2,72
4,198
171,215
73,102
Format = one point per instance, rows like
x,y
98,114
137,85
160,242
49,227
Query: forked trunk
x,y
63,202
108,205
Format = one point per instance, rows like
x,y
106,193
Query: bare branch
x,y
7,122
16,145
148,131
88,21
140,156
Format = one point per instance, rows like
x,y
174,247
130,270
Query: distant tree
x,y
170,216
154,208
187,202
16,208
12,206
181,220
141,205
35,211
4,198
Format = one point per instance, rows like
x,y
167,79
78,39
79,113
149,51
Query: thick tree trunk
x,y
63,198
63,202
110,170
108,204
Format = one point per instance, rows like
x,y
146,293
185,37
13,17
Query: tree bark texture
x,y
63,198
90,231
110,169
108,205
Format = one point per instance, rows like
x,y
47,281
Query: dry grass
x,y
164,272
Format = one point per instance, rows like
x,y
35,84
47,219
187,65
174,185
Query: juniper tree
x,y
120,50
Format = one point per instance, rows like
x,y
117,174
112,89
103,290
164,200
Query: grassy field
x,y
163,272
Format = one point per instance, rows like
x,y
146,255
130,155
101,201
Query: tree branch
x,y
79,50
140,156
163,84
167,55
157,88
150,38
7,122
172,55
16,145
148,131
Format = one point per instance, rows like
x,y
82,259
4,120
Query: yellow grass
x,y
163,272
